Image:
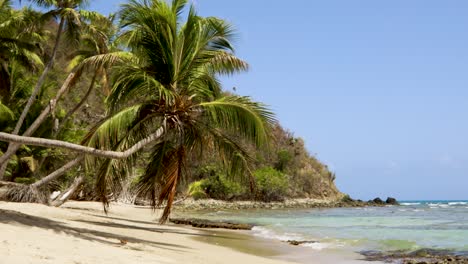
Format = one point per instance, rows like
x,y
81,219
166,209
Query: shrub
x,y
196,190
284,158
347,199
220,187
272,184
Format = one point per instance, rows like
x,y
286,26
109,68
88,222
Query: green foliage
x,y
25,180
220,187
167,79
284,158
196,190
215,184
272,184
346,199
169,86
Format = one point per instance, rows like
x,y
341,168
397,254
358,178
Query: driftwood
x,y
201,223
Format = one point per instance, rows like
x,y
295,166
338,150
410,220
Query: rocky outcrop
x,y
392,201
379,202
211,204
202,223
421,256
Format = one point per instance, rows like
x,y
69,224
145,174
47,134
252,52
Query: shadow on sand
x,y
151,229
17,218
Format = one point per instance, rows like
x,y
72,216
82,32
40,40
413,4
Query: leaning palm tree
x,y
169,87
97,40
68,24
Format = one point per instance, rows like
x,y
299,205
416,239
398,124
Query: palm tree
x,y
69,23
98,39
19,43
169,86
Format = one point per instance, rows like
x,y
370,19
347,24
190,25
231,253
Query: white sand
x,y
80,233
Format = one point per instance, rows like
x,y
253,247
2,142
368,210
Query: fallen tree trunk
x,y
43,142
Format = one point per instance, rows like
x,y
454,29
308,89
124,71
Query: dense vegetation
x,y
130,106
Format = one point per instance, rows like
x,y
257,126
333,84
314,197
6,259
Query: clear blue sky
x,y
378,89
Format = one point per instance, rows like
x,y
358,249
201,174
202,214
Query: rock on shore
x,y
202,223
211,204
421,256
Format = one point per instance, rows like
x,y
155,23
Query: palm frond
x,y
240,115
132,83
6,113
106,60
110,131
118,132
227,63
163,173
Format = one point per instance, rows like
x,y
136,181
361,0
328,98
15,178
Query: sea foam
x,y
457,203
271,234
408,204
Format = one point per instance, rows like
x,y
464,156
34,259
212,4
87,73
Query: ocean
x,y
440,225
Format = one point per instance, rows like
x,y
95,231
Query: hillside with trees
x,y
130,106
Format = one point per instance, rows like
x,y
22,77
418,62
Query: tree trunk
x,y
78,106
54,175
31,100
70,113
79,148
69,193
9,184
41,80
12,147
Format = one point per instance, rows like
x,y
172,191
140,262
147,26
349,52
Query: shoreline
x,y
279,250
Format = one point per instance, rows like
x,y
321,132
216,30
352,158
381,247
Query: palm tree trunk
x,y
68,115
79,105
12,147
41,80
31,100
54,175
69,192
82,149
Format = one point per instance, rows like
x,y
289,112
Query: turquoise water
x,y
411,226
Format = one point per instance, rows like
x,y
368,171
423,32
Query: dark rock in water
x,y
378,201
201,223
392,201
300,242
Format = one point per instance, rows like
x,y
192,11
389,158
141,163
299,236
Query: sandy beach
x,y
81,233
